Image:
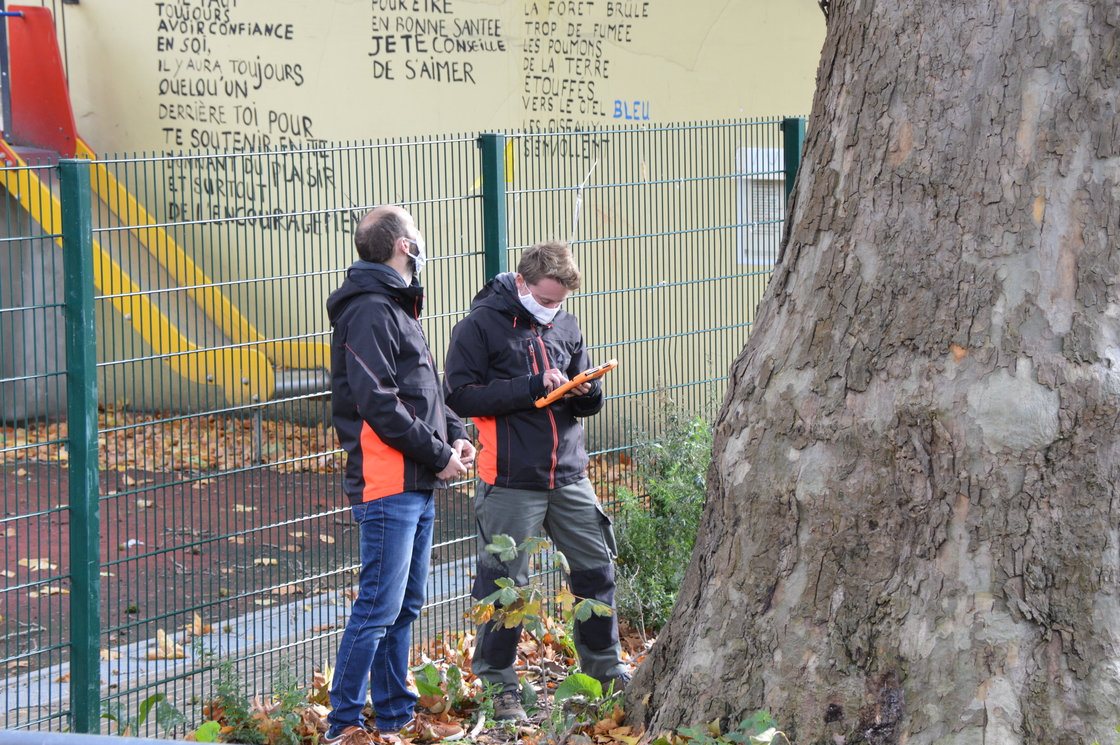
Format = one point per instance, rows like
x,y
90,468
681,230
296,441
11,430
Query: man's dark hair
x,y
377,232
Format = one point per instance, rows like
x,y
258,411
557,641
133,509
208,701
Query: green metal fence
x,y
171,482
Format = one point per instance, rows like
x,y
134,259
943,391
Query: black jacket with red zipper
x,y
494,373
386,398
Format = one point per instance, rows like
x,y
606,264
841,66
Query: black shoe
x,y
507,707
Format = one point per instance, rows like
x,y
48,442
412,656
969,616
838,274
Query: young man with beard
x,y
401,443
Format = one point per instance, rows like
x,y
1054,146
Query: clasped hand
x,y
462,457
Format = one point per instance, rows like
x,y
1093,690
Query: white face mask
x,y
542,314
419,258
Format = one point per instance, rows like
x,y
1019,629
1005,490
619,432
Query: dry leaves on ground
x,y
47,590
166,648
36,565
544,662
148,442
197,628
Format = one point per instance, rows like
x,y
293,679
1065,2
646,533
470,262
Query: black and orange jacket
x,y
494,372
386,398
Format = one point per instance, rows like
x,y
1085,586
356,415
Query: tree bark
x,y
912,531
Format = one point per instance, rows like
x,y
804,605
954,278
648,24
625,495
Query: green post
x,y
81,414
793,131
494,202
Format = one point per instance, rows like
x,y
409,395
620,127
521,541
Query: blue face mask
x,y
419,258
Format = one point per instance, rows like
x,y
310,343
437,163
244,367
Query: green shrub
x,y
231,706
657,528
156,706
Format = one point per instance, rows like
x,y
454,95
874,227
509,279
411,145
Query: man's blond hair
x,y
549,260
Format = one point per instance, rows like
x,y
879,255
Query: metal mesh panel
x,y
34,523
224,538
242,522
655,224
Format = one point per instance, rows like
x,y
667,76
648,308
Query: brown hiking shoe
x,y
429,730
507,707
352,735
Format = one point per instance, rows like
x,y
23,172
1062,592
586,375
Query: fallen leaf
x,y
288,590
36,565
19,663
298,534
48,590
293,548
243,508
266,561
65,678
21,472
197,628
264,601
110,654
236,539
128,480
166,648
7,573
322,628
326,538
9,532
145,503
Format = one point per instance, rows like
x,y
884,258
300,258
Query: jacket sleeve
x,y
372,344
455,428
467,387
591,402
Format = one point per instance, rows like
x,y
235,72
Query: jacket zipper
x,y
551,417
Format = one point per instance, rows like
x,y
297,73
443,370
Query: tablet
x,y
583,377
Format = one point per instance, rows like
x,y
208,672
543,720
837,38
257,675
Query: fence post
x,y
494,202
793,131
81,415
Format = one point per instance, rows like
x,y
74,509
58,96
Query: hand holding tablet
x,y
558,392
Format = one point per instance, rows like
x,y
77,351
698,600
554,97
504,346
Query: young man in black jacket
x,y
401,443
515,346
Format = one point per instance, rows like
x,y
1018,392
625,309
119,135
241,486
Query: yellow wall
x,y
135,85
170,75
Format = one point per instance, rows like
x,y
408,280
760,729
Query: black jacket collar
x,y
370,277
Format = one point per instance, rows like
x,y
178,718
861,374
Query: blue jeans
x,y
396,546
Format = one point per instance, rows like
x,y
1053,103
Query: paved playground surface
x,y
221,547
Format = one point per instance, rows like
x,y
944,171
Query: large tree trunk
x,y
912,523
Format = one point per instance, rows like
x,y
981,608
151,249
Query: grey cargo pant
x,y
578,527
